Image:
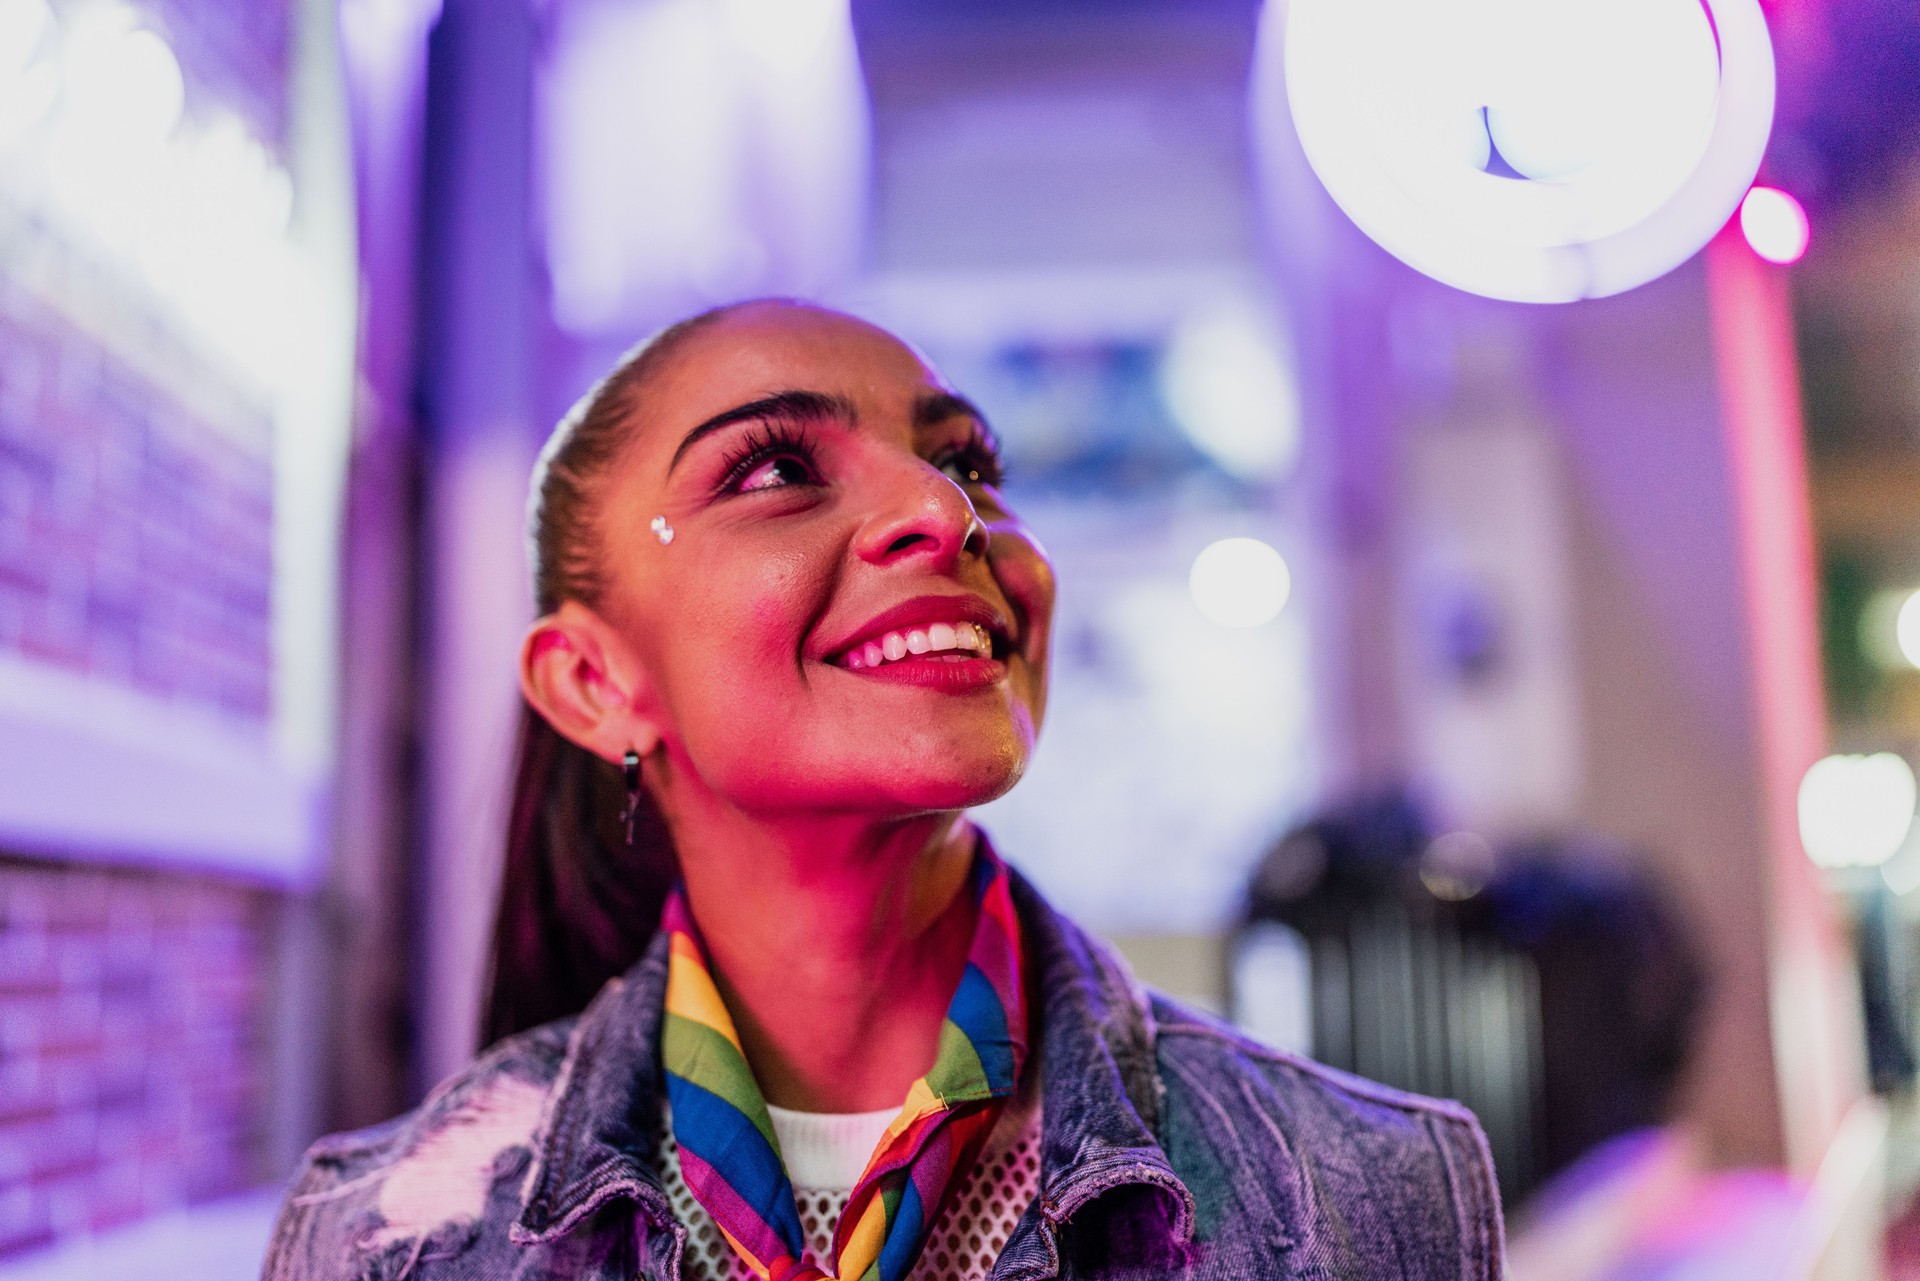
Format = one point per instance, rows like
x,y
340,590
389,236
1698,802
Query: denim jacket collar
x,y
1100,1089
1100,1101
603,1119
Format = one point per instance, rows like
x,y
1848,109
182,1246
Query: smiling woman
x,y
799,1020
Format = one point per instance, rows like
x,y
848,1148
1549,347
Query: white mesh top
x,y
824,1157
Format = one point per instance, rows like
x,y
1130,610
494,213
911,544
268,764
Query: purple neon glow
x,y
1774,224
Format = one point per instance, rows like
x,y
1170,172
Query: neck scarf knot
x,y
730,1156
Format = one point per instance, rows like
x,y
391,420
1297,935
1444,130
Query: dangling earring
x,y
661,530
630,770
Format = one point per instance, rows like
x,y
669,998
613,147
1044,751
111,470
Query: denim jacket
x,y
1171,1146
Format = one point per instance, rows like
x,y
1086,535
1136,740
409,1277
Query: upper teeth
x,y
935,639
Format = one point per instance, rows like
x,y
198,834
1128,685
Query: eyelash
x,y
764,442
978,454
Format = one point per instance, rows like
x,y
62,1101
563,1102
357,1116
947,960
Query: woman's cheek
x,y
1026,576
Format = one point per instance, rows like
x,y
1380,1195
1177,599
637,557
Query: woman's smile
x,y
951,643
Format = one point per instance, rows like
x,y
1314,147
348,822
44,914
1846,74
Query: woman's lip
x,y
921,611
946,672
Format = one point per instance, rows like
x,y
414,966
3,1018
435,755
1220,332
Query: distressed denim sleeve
x,y
427,1195
329,1206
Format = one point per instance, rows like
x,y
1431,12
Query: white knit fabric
x,y
964,1242
827,1151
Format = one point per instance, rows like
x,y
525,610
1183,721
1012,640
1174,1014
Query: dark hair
x,y
578,904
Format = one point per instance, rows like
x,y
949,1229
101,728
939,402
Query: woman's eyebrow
x,y
789,406
933,409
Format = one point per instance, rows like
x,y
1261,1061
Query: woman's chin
x,y
895,789
960,794
929,784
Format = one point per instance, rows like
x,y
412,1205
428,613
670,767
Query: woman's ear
x,y
577,673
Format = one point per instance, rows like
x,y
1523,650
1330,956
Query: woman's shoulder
x,y
1341,1150
1209,1049
427,1182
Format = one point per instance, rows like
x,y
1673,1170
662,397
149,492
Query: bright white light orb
x,y
1625,131
1774,224
1889,629
1229,391
1240,582
1855,811
1906,629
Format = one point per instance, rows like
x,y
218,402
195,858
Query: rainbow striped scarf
x,y
730,1157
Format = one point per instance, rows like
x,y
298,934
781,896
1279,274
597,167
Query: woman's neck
x,y
837,945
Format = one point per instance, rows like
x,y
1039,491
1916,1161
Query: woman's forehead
x,y
767,347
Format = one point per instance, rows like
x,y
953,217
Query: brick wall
x,y
132,1042
135,539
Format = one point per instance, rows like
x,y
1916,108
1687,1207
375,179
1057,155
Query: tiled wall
x,y
132,1045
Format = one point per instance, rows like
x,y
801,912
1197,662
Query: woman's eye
x,y
971,469
786,469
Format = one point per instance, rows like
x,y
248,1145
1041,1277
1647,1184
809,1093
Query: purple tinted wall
x,y
137,530
135,539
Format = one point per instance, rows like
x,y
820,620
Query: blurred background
x,y
1480,442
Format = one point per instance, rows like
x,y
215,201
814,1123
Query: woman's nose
x,y
926,514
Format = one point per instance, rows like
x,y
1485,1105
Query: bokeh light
x,y
1906,628
1229,391
1855,811
1774,224
1240,582
1457,865
121,80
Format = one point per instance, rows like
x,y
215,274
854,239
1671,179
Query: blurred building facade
x,y
166,651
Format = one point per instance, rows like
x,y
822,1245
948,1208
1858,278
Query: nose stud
x,y
661,530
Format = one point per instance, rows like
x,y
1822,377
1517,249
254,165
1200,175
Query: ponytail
x,y
578,905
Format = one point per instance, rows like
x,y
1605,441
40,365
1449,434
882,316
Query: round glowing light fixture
x,y
1529,151
1906,629
1774,224
1855,811
1239,582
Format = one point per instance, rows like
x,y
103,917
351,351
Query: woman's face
x,y
847,618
